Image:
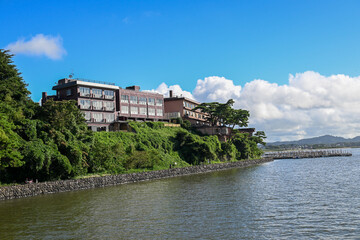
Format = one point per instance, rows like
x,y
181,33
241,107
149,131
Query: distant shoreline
x,y
34,189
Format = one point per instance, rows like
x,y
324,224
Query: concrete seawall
x,y
27,190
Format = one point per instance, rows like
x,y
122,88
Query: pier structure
x,y
307,154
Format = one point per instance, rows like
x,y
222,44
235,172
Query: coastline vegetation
x,y
52,141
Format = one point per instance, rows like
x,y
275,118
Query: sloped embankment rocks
x,y
27,190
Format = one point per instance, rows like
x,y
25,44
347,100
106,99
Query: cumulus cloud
x,y
216,89
309,105
177,91
39,45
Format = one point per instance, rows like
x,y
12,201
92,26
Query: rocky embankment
x,y
27,190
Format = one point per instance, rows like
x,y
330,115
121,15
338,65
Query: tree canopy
x,y
223,114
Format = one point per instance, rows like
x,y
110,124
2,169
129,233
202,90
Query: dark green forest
x,y
52,141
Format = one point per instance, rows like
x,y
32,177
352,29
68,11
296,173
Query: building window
x,y
159,112
151,101
173,115
134,110
109,94
151,111
84,92
125,109
159,102
188,105
85,104
133,99
110,117
97,92
97,105
142,100
143,111
109,106
98,117
68,92
124,98
87,116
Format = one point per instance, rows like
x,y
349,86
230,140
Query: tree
x,y
224,114
259,137
11,82
14,98
246,146
10,144
210,110
238,117
242,144
63,115
48,142
193,149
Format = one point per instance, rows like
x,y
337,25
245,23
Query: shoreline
x,y
34,189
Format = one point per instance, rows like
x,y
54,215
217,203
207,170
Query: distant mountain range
x,y
323,140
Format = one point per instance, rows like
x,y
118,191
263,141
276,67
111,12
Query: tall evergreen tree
x,y
13,97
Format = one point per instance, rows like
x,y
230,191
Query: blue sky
x,y
148,43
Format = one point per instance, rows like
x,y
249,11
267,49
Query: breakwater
x,y
27,190
307,154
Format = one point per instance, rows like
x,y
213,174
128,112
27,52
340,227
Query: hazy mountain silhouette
x,y
326,139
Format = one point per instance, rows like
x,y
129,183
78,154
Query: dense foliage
x,y
52,141
223,114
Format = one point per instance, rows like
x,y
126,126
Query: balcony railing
x,y
172,115
109,97
85,107
97,108
98,120
84,94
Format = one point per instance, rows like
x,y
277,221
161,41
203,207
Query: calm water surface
x,y
286,199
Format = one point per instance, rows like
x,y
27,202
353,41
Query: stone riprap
x,y
27,190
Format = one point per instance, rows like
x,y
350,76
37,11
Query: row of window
x,y
194,114
110,117
99,117
189,105
98,93
141,100
96,105
141,111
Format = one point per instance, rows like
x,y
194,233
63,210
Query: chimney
x,y
170,94
43,97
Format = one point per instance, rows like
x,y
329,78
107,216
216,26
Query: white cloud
x,y
39,45
177,91
309,105
216,89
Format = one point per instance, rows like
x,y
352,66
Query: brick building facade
x,y
184,108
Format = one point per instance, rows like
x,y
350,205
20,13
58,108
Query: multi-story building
x,y
104,103
132,104
184,108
